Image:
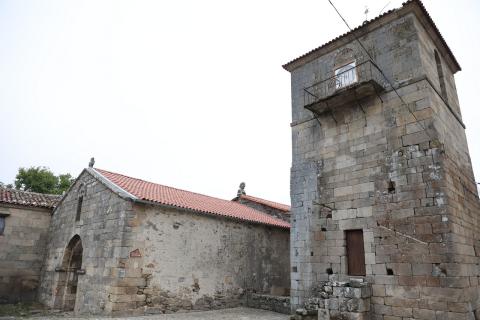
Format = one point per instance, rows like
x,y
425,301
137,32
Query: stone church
x,y
384,206
385,209
119,245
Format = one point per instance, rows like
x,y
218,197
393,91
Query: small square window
x,y
2,224
345,75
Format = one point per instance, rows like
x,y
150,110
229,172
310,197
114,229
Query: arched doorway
x,y
66,292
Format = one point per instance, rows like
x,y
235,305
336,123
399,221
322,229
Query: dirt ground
x,y
235,313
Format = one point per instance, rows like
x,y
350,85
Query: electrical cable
x,y
386,78
381,72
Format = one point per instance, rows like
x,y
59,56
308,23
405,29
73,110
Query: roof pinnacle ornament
x,y
92,162
241,189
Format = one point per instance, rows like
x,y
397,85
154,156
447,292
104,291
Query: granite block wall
x,y
22,250
137,258
397,169
181,261
102,230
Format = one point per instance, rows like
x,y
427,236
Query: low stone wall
x,y
334,300
279,304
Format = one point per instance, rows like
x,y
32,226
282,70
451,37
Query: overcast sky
x,y
189,94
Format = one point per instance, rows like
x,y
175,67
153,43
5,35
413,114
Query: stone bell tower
x,y
385,209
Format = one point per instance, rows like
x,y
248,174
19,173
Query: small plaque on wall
x,y
135,254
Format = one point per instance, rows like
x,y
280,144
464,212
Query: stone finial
x,y
241,189
91,163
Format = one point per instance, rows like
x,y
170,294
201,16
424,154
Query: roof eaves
x,y
97,175
51,200
212,214
106,180
268,203
437,33
350,36
27,205
111,185
293,64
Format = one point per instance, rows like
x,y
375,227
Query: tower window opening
x,y
441,77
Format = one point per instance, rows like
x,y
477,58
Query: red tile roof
x,y
30,199
161,194
275,205
292,64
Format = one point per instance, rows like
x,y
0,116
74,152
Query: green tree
x,y
42,180
64,182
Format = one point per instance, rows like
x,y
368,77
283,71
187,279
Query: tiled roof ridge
x,y
368,22
157,184
32,192
28,198
155,193
273,204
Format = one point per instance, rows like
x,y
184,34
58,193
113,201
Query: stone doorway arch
x,y
66,291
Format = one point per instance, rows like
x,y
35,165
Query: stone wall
x,y
280,304
138,258
188,261
102,231
22,249
405,180
336,300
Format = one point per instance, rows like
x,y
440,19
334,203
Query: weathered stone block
x,y
424,314
378,290
402,291
402,311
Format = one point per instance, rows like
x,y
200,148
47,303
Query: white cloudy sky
x,y
189,94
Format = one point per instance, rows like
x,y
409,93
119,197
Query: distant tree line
x,y
41,180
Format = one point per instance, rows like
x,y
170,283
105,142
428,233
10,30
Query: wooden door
x,y
355,253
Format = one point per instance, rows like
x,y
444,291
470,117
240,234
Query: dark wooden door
x,y
355,253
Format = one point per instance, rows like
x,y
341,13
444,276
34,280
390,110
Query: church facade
x,y
117,245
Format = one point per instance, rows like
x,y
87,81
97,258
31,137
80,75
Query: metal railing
x,y
363,72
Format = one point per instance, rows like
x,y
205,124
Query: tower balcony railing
x,y
350,83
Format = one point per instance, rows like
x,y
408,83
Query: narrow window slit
x,y
391,186
79,208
